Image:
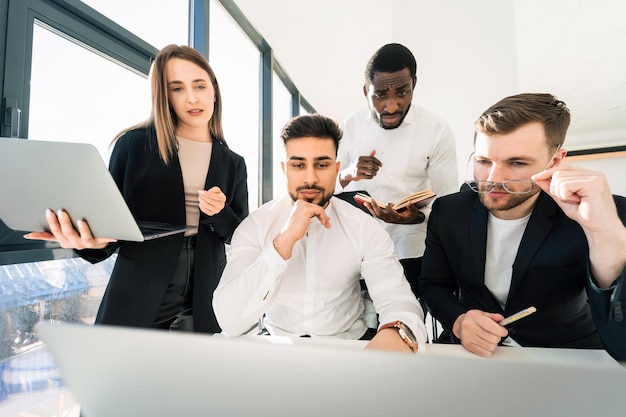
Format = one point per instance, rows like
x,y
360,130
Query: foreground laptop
x,y
123,372
37,175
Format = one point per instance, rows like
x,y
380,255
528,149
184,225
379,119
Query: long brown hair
x,y
162,118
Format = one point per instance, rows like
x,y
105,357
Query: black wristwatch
x,y
405,333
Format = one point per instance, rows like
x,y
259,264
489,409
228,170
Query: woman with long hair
x,y
175,168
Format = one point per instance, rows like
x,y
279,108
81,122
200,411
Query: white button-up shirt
x,y
316,292
419,154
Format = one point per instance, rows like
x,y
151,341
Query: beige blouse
x,y
194,158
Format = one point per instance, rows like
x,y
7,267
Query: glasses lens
x,y
480,186
518,186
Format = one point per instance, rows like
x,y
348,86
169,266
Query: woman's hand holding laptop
x,y
62,231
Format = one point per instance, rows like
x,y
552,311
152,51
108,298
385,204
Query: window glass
x,y
235,60
63,290
158,22
89,101
281,113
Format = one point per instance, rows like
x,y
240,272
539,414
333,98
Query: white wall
x,y
613,168
466,59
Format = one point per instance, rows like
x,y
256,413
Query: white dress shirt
x,y
419,154
316,292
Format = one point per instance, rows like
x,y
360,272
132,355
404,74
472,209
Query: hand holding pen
x,y
481,332
519,315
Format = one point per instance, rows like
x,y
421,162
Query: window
x,y
281,113
90,101
68,73
158,22
235,60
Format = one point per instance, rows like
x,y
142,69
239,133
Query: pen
x,y
519,315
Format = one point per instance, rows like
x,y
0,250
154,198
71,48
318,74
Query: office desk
x,y
154,373
594,358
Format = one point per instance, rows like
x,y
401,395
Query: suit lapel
x,y
478,233
539,225
213,176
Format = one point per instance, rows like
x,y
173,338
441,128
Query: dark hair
x,y
312,125
515,111
392,57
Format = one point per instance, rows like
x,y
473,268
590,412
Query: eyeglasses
x,y
511,186
483,187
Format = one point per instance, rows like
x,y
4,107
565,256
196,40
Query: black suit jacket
x,y
549,272
609,312
154,192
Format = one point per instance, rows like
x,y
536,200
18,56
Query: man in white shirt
x,y
298,259
394,148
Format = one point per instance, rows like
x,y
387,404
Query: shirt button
x,y
618,314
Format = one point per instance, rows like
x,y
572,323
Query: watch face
x,y
407,330
407,335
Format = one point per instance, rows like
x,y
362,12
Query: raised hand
x,y
585,197
365,167
297,225
211,201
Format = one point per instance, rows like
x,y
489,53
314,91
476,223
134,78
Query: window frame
x,y
82,24
68,18
98,33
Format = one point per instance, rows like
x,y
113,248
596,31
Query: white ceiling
x,y
576,47
579,48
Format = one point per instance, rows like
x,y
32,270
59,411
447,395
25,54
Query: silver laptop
x,y
123,372
37,175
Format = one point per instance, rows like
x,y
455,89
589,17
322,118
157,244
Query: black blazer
x,y
609,313
549,272
154,192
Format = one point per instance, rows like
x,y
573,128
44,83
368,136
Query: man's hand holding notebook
x,y
421,199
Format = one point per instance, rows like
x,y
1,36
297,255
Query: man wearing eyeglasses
x,y
530,232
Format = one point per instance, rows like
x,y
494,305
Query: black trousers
x,y
179,296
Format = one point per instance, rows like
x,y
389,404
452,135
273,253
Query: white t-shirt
x,y
503,239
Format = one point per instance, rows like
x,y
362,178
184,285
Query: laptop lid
x,y
115,371
37,175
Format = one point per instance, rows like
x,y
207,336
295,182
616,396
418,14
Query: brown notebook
x,y
421,199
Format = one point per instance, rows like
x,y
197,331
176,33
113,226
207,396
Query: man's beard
x,y
323,201
379,119
513,200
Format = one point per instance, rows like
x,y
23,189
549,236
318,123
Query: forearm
x,y
283,244
223,223
247,288
607,255
442,304
98,255
236,209
388,288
